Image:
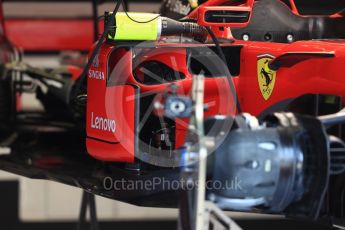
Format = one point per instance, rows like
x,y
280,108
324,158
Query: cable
x,y
222,56
141,21
95,19
132,19
83,77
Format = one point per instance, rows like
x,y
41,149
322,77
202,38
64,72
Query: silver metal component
x,y
254,164
177,107
5,150
251,121
333,119
159,30
269,146
338,226
289,38
210,142
197,121
216,217
239,204
245,37
337,150
158,105
205,213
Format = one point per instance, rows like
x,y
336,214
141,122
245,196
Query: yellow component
x,y
266,77
128,29
194,3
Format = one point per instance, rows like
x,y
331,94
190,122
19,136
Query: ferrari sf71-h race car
x,y
141,90
138,106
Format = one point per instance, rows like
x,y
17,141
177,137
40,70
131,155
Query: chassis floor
x,y
59,155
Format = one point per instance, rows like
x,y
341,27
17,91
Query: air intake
x,y
225,16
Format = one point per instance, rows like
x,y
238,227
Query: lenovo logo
x,y
104,124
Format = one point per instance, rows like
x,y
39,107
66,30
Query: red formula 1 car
x,y
126,77
130,83
140,81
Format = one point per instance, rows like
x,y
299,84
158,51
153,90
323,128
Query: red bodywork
x,y
114,91
116,96
68,34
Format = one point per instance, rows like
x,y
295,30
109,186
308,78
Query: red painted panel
x,y
51,34
110,115
109,152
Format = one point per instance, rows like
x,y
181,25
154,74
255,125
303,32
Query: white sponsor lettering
x,y
99,75
102,123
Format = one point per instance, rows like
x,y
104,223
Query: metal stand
x,y
196,213
216,219
88,200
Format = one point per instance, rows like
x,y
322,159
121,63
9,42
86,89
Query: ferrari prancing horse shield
x,y
266,77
